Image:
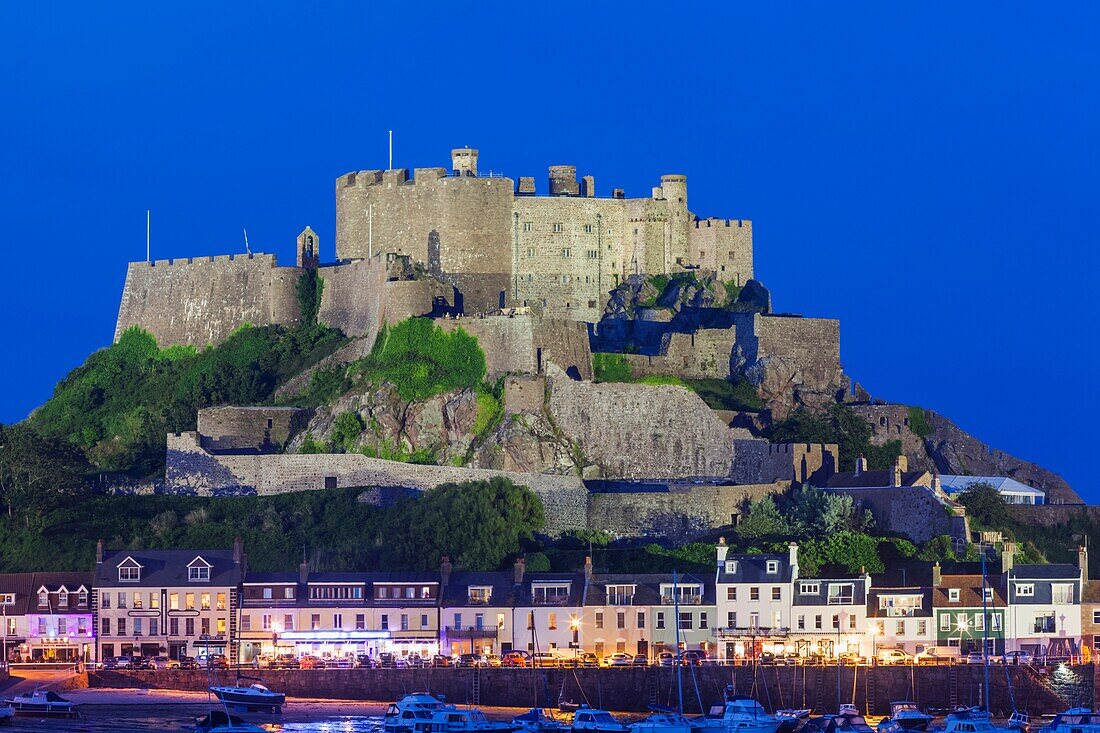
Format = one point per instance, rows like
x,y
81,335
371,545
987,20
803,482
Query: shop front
x,y
339,644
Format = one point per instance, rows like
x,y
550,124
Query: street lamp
x,y
873,627
575,627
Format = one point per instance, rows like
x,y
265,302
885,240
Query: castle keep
x,y
485,241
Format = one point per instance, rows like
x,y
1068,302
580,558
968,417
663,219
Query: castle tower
x,y
308,249
675,190
563,180
464,161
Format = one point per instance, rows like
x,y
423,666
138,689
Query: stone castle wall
x,y
704,354
202,300
725,246
191,469
353,297
458,226
641,431
244,428
524,344
912,511
758,461
680,514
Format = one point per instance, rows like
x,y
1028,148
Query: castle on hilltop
x,y
485,242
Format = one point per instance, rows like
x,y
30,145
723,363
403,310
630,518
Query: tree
x,y
838,424
763,520
478,524
37,471
985,505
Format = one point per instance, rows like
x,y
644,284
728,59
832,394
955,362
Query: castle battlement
x,y
257,258
712,221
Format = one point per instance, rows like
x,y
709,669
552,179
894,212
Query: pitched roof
x,y
165,568
1053,571
647,587
752,568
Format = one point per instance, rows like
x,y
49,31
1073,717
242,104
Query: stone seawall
x,y
1039,691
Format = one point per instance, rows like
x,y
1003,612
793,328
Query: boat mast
x,y
985,630
679,654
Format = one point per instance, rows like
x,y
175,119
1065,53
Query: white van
x,y
938,655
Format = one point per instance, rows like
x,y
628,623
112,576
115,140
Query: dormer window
x,y
731,566
198,571
82,597
129,571
773,567
43,598
63,598
480,594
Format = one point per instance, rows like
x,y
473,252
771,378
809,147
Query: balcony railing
x,y
751,631
684,600
471,632
551,601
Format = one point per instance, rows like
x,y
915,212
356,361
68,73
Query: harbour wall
x,y
1040,691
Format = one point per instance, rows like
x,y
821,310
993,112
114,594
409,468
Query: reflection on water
x,y
147,724
350,724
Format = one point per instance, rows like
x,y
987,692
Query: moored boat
x,y
1074,720
536,720
592,720
451,719
908,716
972,720
662,720
253,697
792,718
402,716
741,714
42,702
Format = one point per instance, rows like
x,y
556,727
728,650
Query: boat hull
x,y
250,699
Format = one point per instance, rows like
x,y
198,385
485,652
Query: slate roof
x,y
647,591
821,598
1058,571
22,585
71,581
166,568
872,479
752,568
924,591
970,590
524,595
457,591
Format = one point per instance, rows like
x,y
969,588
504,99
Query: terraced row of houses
x,y
196,602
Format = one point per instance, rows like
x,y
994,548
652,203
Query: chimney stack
x,y
238,550
895,477
722,549
517,570
937,485
303,572
1008,556
588,569
861,464
1083,561
937,575
445,569
792,550
100,550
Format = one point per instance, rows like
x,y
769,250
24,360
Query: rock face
x,y
950,450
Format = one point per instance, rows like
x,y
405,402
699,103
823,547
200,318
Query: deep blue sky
x,y
927,175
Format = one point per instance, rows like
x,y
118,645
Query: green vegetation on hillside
x,y
838,424
481,524
416,356
309,288
719,394
118,406
918,422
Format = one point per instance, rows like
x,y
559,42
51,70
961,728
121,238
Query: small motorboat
x,y
1074,719
451,719
1020,721
568,706
536,720
221,721
847,720
403,715
253,697
662,720
42,702
741,714
792,718
908,716
972,720
592,720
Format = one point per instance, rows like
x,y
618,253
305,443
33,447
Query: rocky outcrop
x,y
948,449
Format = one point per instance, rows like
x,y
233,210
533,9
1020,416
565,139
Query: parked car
x,y
118,663
516,659
618,659
974,657
588,659
364,661
492,660
851,659
442,660
937,655
546,659
1017,657
338,662
469,660
640,660
417,661
218,661
188,663
665,659
285,661
311,662
693,657
165,663
894,656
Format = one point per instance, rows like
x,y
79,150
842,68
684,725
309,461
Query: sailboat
x,y
248,698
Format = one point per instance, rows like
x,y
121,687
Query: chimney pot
x,y
937,575
238,550
861,464
303,573
100,551
445,569
588,567
517,570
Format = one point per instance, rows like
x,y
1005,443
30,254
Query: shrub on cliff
x,y
611,368
838,424
421,359
118,406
